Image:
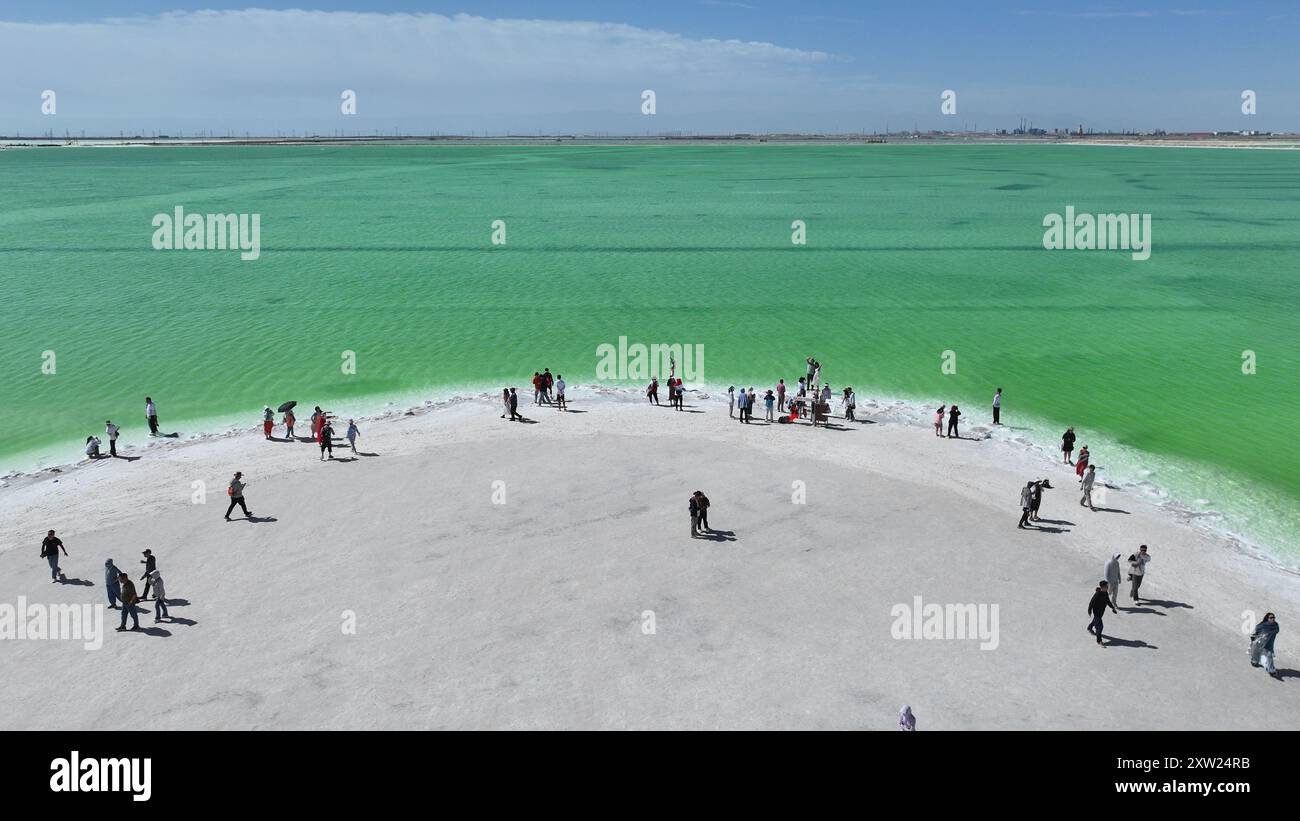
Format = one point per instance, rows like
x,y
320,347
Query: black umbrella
x,y
287,406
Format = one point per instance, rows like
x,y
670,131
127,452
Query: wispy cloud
x,y
733,5
256,67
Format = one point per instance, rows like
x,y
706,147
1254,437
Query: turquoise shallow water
x,y
911,251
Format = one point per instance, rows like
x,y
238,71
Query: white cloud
x,y
265,70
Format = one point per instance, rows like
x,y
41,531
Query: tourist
x,y
997,407
906,721
559,393
1097,608
1088,479
1137,569
111,431
50,547
652,392
112,586
1111,573
268,421
1026,502
150,565
938,420
1067,445
953,416
326,440
236,493
159,595
1261,645
151,414
1037,499
352,434
704,509
129,600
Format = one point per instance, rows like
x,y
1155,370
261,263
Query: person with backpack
x,y
50,548
129,601
236,493
111,584
150,564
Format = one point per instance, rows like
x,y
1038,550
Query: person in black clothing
x,y
704,509
150,565
50,547
326,440
1037,498
695,514
952,422
1067,445
1097,608
514,406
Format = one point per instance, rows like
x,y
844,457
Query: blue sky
x,y
715,65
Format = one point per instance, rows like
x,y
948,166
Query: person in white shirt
x,y
111,430
151,413
997,407
1137,564
559,393
92,447
731,401
1086,485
